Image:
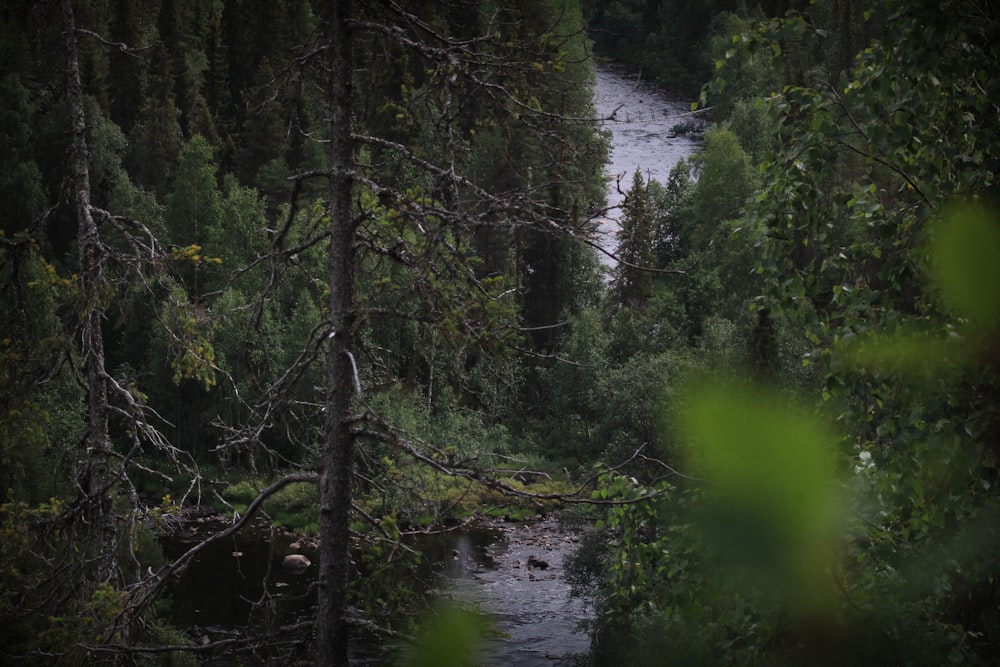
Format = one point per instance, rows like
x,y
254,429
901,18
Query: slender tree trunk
x,y
94,482
338,449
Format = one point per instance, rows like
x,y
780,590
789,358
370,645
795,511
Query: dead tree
x,y
95,481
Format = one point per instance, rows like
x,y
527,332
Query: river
x,y
512,573
647,135
518,579
240,581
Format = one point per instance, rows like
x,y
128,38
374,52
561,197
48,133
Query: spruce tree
x,y
633,280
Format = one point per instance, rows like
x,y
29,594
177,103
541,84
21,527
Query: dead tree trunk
x,y
94,480
338,449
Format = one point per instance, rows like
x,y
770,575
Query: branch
x,y
279,633
121,46
160,577
877,158
482,477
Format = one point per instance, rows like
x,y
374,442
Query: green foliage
x,y
964,252
771,503
754,124
672,237
40,402
671,595
564,422
294,507
633,281
20,571
450,637
412,494
384,581
91,621
217,282
796,544
192,356
659,39
21,183
158,633
740,75
725,179
41,617
193,206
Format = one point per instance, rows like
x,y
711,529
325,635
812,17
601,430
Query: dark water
x,y
238,581
494,569
644,136
528,603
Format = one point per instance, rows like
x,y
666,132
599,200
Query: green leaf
x,y
911,352
772,493
966,262
449,639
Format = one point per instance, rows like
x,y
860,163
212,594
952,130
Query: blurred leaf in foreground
x,y
771,495
965,248
449,637
964,254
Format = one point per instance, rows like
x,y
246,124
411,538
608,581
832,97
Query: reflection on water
x,y
239,580
512,573
525,593
643,136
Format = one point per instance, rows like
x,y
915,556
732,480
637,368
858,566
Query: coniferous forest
x,y
336,266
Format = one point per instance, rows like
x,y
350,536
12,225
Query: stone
x,y
296,563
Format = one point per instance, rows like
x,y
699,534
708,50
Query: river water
x,y
517,578
510,573
648,135
493,568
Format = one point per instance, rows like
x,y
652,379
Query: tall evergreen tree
x,y
155,140
126,67
633,281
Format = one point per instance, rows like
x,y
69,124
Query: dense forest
x,y
338,262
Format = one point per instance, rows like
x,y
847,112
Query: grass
x,y
295,507
420,497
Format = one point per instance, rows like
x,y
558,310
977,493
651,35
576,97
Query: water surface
x,y
644,124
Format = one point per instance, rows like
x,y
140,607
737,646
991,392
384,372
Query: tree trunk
x,y
338,447
94,482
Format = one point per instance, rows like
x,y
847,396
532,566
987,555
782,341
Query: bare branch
x,y
159,579
121,46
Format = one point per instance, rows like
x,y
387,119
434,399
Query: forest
x,y
336,266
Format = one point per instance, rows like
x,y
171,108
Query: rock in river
x,y
538,563
296,563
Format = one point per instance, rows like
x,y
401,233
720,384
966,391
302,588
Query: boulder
x,y
296,563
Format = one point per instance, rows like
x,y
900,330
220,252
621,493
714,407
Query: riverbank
x,y
511,571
